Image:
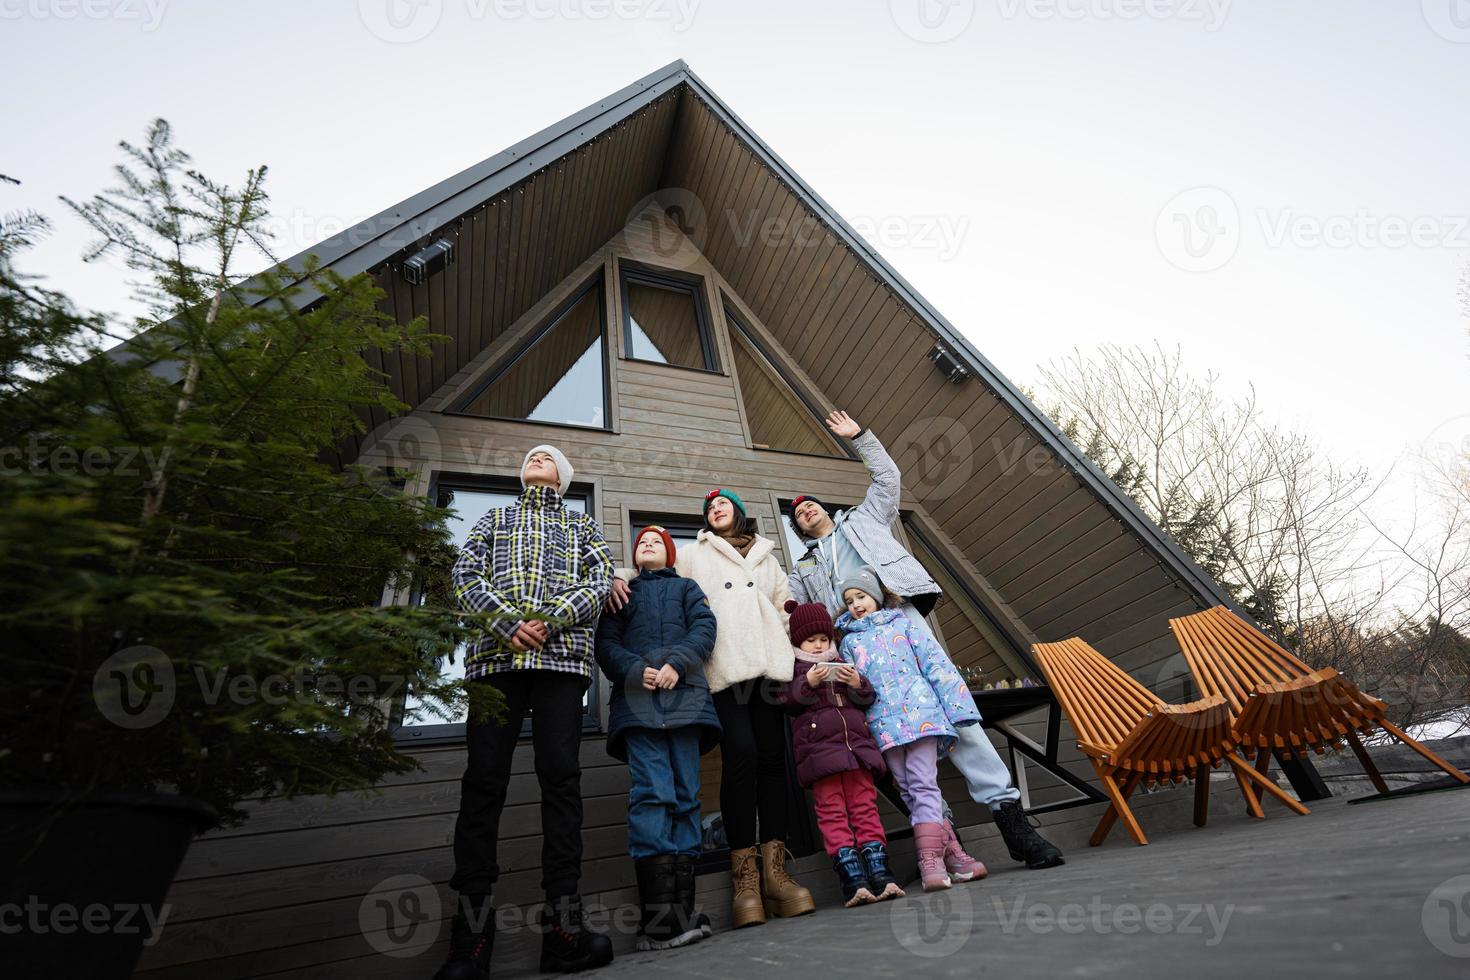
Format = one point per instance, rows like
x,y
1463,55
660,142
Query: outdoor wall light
x,y
949,365
427,261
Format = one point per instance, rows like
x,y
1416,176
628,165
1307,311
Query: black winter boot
x,y
880,880
853,877
566,944
658,898
471,940
1024,843
695,924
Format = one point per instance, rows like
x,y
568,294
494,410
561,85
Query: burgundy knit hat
x,y
668,542
808,620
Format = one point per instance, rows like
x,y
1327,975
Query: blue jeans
x,y
663,805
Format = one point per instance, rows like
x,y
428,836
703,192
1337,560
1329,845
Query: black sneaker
x,y
471,940
853,877
1022,840
880,880
566,944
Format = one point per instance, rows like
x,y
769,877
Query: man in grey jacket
x,y
838,545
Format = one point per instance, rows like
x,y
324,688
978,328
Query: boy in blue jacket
x,y
661,720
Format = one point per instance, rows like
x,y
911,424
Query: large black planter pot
x,y
84,879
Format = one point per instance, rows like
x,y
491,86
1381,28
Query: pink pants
x,y
847,810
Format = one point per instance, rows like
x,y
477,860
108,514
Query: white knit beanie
x,y
563,468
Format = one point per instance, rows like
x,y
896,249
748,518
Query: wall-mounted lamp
x,y
427,261
949,365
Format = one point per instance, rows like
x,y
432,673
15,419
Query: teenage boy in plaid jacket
x,y
546,570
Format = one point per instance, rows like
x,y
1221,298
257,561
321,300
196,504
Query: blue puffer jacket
x,y
667,620
919,691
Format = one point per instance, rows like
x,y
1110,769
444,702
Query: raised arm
x,y
881,500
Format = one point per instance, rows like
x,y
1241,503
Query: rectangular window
x,y
559,375
683,529
471,499
665,320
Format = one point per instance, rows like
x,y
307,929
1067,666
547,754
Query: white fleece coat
x,y
748,595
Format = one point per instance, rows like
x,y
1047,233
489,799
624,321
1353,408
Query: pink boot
x,y
929,847
961,866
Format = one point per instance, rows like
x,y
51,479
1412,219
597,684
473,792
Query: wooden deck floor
x,y
1350,891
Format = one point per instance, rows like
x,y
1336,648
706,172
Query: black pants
x,y
753,778
555,701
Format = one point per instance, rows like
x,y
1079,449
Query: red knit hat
x,y
668,542
808,620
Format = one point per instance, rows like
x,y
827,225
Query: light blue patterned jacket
x,y
919,691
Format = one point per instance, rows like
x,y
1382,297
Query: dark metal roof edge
x,y
1106,490
378,238
433,207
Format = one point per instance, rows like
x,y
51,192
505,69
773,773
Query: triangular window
x,y
665,320
778,416
559,375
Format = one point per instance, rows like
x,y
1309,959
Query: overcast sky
x,y
1277,186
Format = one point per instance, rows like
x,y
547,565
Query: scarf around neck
x,y
816,658
740,542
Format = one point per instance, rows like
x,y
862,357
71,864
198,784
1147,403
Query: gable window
x,y
665,320
779,416
559,375
471,498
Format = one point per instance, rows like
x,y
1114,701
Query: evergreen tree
x,y
175,530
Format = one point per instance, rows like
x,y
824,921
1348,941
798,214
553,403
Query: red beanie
x,y
808,620
655,529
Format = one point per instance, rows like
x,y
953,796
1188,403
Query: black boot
x,y
880,880
694,923
853,877
566,944
471,940
658,897
1024,843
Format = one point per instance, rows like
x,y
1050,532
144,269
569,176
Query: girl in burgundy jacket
x,y
836,756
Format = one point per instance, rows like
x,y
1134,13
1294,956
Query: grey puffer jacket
x,y
869,526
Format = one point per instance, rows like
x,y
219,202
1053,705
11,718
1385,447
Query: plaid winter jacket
x,y
534,559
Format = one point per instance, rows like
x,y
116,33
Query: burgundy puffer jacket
x,y
829,732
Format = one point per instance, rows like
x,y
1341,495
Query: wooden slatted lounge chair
x,y
1281,704
1132,738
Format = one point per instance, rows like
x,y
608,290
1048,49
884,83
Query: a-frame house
x,y
647,285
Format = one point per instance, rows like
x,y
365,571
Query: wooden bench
x,y
1132,738
1280,704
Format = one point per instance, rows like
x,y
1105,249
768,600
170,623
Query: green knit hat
x,y
729,495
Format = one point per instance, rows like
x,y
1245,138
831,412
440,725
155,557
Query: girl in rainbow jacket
x,y
920,700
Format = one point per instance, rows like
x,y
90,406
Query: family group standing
x,y
713,643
